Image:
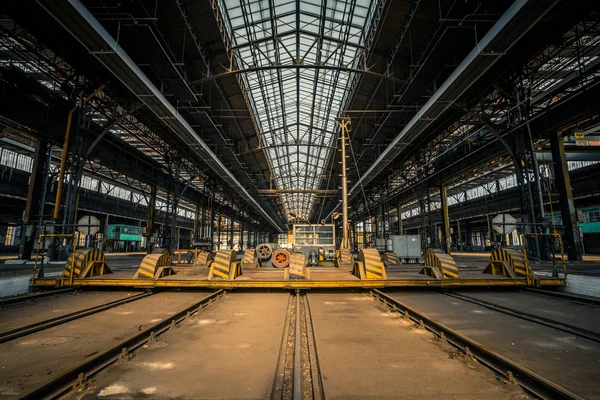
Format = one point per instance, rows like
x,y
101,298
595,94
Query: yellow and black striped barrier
x,y
161,251
371,264
344,259
85,263
509,263
250,259
443,262
155,266
203,259
298,268
390,258
225,266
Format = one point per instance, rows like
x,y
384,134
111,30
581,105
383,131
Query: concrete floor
x,y
35,358
19,315
228,351
584,316
366,352
570,361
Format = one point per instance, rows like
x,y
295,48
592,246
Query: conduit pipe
x,y
65,151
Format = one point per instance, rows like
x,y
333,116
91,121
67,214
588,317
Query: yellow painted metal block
x,y
151,264
224,266
374,267
443,262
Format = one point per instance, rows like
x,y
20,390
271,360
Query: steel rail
x,y
318,390
297,395
512,371
561,326
278,381
565,296
49,323
65,381
33,296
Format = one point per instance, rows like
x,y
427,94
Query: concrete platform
x,y
274,279
570,361
228,351
35,358
22,314
366,353
404,275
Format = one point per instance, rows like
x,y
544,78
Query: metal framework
x,y
297,62
565,67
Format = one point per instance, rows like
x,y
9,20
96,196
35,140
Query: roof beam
x,y
80,23
520,17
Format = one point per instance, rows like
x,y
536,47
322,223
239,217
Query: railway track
x,y
357,344
297,375
559,325
588,300
77,378
9,301
512,371
51,322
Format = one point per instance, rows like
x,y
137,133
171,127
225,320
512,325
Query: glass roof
x,y
294,108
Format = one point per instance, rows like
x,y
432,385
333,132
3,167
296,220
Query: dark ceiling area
x,y
238,99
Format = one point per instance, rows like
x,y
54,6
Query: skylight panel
x,y
295,107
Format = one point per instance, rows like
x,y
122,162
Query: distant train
x,y
126,233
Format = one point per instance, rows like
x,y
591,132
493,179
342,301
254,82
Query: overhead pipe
x,y
65,151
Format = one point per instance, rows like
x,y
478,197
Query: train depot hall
x,y
300,199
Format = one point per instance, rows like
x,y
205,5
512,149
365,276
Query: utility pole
x,y
344,124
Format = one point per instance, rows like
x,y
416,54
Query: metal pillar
x,y
460,241
344,124
490,230
241,236
35,199
220,220
567,205
423,228
232,229
445,220
211,227
364,226
151,217
399,210
196,234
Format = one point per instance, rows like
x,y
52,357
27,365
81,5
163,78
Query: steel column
x,y
241,236
196,234
151,217
399,210
460,242
445,220
220,221
35,200
232,229
567,205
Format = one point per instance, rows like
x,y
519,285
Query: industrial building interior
x,y
300,199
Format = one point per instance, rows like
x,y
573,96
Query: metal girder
x,y
515,22
304,284
296,66
77,20
572,109
49,119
